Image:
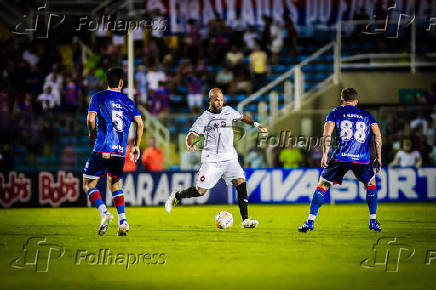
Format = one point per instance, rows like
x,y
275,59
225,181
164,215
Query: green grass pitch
x,y
197,255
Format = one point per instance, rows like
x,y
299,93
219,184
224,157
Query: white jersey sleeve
x,y
199,125
235,114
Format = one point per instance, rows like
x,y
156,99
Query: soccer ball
x,y
224,220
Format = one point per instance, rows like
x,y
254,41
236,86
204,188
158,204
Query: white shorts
x,y
211,172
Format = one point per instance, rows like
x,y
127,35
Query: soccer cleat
x,y
307,226
123,229
108,217
374,225
171,202
248,223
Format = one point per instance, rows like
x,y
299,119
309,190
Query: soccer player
x,y
219,157
354,127
109,117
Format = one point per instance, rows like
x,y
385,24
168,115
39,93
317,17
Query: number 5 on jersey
x,y
117,120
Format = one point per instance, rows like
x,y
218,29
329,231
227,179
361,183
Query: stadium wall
x,y
270,186
383,87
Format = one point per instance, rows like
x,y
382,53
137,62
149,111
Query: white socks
x,y
121,216
102,210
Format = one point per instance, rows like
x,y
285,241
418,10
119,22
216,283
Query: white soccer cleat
x,y
123,229
171,202
107,218
248,223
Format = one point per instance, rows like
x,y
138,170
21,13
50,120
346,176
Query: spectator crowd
x,y
46,85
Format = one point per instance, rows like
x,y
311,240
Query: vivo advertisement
x,y
270,186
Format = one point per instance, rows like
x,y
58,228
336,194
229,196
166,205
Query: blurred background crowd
x,y
45,88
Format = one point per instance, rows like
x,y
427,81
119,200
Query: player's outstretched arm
x,y
190,140
247,119
375,130
135,152
326,138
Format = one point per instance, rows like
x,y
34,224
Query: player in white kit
x,y
219,157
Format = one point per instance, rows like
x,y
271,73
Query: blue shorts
x,y
100,163
335,171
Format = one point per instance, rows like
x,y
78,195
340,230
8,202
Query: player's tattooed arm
x,y
375,130
135,152
247,119
90,123
190,142
326,140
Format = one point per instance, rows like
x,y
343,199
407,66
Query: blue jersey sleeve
x,y
135,112
93,105
371,120
331,117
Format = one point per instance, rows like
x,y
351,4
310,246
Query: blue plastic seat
x,y
181,119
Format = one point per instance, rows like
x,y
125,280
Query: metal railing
x,y
154,128
381,60
297,72
294,93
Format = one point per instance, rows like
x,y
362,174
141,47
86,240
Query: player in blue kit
x,y
109,117
354,127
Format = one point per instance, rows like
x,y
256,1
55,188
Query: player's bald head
x,y
216,100
215,92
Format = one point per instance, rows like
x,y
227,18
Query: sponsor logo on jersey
x,y
119,148
118,106
350,155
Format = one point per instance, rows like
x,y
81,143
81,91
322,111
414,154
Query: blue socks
x,y
371,199
95,198
317,201
118,200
